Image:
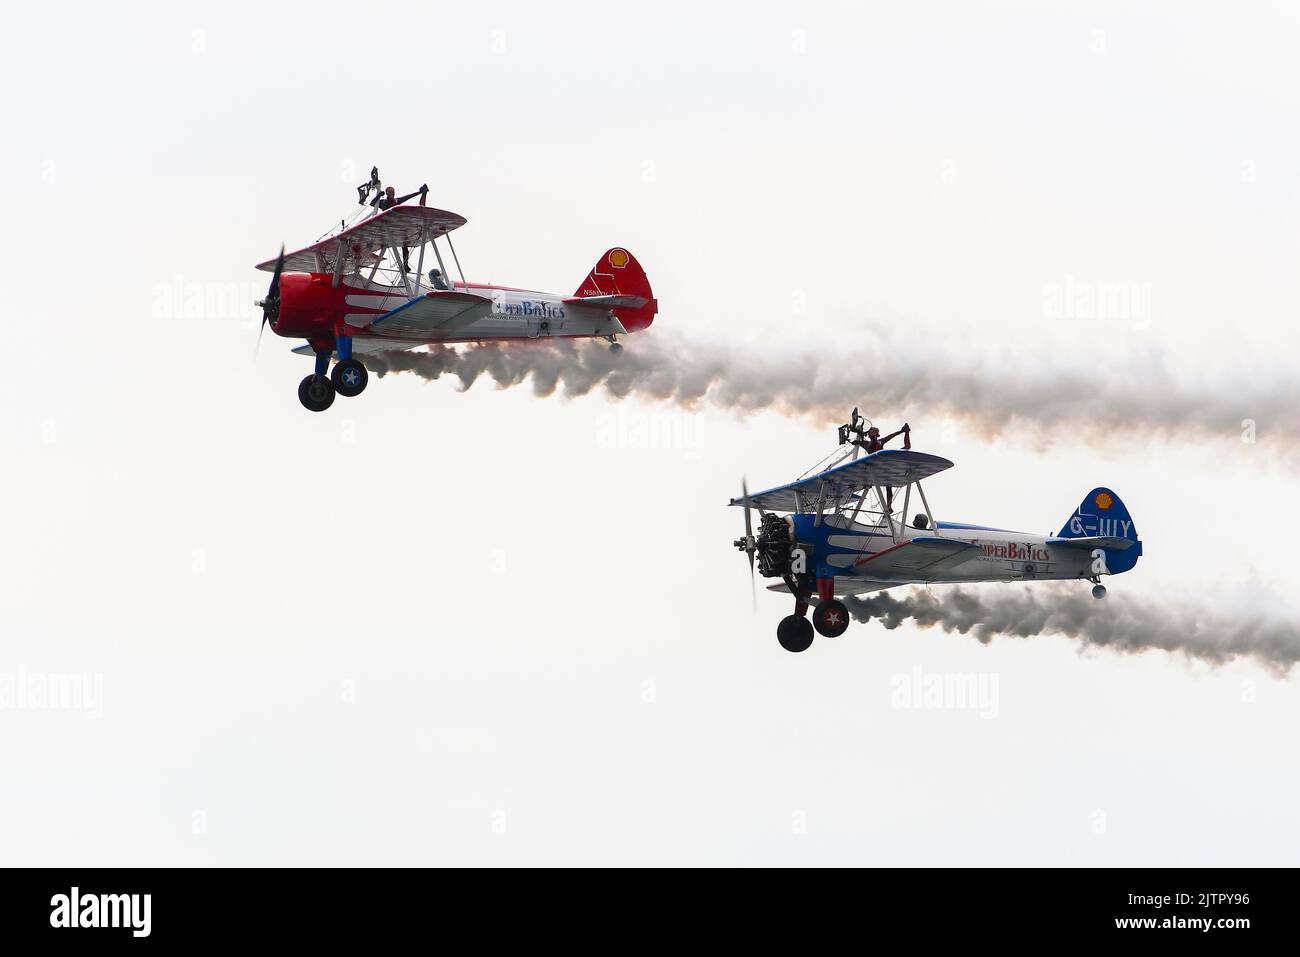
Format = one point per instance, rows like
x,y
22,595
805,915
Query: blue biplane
x,y
846,533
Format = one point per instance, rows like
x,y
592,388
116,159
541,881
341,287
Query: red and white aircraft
x,y
364,290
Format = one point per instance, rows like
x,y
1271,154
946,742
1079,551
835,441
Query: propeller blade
x,y
271,304
744,497
274,291
749,540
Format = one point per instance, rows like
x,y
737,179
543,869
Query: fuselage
x,y
848,549
313,308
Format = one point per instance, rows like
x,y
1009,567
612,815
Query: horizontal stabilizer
x,y
1093,541
608,302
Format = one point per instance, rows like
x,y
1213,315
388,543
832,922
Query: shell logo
x,y
1103,501
618,258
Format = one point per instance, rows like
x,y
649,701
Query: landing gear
x,y
349,378
795,633
831,618
616,347
316,393
1098,591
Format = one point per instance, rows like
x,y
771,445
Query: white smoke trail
x,y
1123,622
1142,397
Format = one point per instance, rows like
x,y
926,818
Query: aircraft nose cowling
x,y
307,306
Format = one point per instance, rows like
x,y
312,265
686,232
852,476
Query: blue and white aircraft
x,y
847,533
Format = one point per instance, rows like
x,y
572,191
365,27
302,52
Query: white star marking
x,y
351,377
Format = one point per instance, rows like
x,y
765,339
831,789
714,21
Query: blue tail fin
x,y
1101,514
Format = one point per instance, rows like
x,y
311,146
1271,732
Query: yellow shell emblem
x,y
619,258
1103,501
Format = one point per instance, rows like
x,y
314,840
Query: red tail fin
x,y
617,273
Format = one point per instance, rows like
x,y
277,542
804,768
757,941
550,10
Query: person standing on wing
x,y
388,199
875,443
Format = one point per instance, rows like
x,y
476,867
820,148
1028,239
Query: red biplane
x,y
364,290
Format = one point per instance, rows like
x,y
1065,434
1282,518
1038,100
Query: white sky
x,y
432,627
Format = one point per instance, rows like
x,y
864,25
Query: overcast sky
x,y
433,627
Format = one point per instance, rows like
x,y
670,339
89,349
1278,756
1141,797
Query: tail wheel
x,y
831,618
316,393
349,378
795,633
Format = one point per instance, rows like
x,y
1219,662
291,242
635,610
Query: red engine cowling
x,y
309,306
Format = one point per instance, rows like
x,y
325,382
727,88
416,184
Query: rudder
x,y
1102,514
617,273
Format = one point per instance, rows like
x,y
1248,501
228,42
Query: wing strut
x,y
442,268
419,265
338,266
400,262
934,528
370,280
463,281
886,510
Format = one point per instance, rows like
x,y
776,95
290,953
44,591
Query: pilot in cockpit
x,y
437,279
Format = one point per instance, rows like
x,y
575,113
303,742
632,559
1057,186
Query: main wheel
x,y
795,633
831,618
616,347
316,393
349,378
1098,591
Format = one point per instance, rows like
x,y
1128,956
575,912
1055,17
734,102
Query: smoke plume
x,y
1124,623
1140,397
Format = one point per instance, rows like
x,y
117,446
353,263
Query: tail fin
x,y
617,273
1101,514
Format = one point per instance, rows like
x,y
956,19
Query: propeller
x,y
271,304
748,544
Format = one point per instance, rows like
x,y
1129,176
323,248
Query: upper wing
x,y
888,467
399,226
